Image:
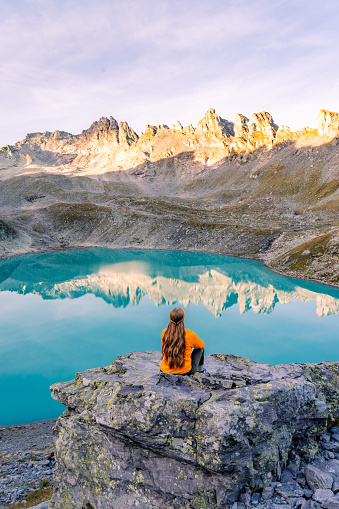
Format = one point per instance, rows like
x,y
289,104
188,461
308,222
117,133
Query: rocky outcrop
x,y
328,124
119,144
257,131
212,124
134,437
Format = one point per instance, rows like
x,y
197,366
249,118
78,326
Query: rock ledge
x,y
132,437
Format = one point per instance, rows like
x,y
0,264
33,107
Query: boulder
x,y
267,493
316,478
331,503
289,489
321,495
131,433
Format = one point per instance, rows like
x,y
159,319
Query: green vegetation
x,y
33,498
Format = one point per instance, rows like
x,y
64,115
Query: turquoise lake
x,y
65,312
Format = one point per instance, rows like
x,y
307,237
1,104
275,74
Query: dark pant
x,y
198,359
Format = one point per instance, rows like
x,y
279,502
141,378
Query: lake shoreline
x,y
260,260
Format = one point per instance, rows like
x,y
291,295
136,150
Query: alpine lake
x,y
64,312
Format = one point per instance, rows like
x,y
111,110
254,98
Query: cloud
x,y
65,63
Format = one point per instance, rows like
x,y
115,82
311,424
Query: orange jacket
x,y
192,341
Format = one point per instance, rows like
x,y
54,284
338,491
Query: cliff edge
x,y
132,437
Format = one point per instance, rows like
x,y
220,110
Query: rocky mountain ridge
x,y
214,135
249,188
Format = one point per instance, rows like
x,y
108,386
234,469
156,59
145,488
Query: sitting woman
x,y
177,344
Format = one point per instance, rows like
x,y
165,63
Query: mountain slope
x,y
247,188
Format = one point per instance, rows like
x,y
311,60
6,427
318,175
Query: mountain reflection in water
x,y
65,312
124,277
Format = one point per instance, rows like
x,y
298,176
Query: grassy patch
x,y
6,231
34,498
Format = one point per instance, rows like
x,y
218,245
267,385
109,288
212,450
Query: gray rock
x,y
301,479
287,476
317,479
293,467
281,506
331,503
130,428
245,498
330,467
335,487
289,489
308,504
321,495
255,498
299,502
267,493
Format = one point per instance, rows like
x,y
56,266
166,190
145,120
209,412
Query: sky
x,y
66,63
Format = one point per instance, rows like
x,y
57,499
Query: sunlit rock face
x,y
124,278
328,124
109,144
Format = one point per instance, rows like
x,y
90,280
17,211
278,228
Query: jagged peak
x,y
103,124
127,134
262,118
177,126
213,123
240,126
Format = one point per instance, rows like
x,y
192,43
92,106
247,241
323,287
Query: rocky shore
x,y
241,435
26,460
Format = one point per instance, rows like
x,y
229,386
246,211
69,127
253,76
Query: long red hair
x,y
173,341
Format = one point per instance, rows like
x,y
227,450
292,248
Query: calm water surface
x,y
65,312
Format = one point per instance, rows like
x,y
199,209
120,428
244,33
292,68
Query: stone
x,y
131,427
316,478
245,498
293,467
289,489
320,495
267,493
287,476
331,467
308,493
335,487
301,479
281,506
255,498
331,503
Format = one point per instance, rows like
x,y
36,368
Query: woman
x,y
177,344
